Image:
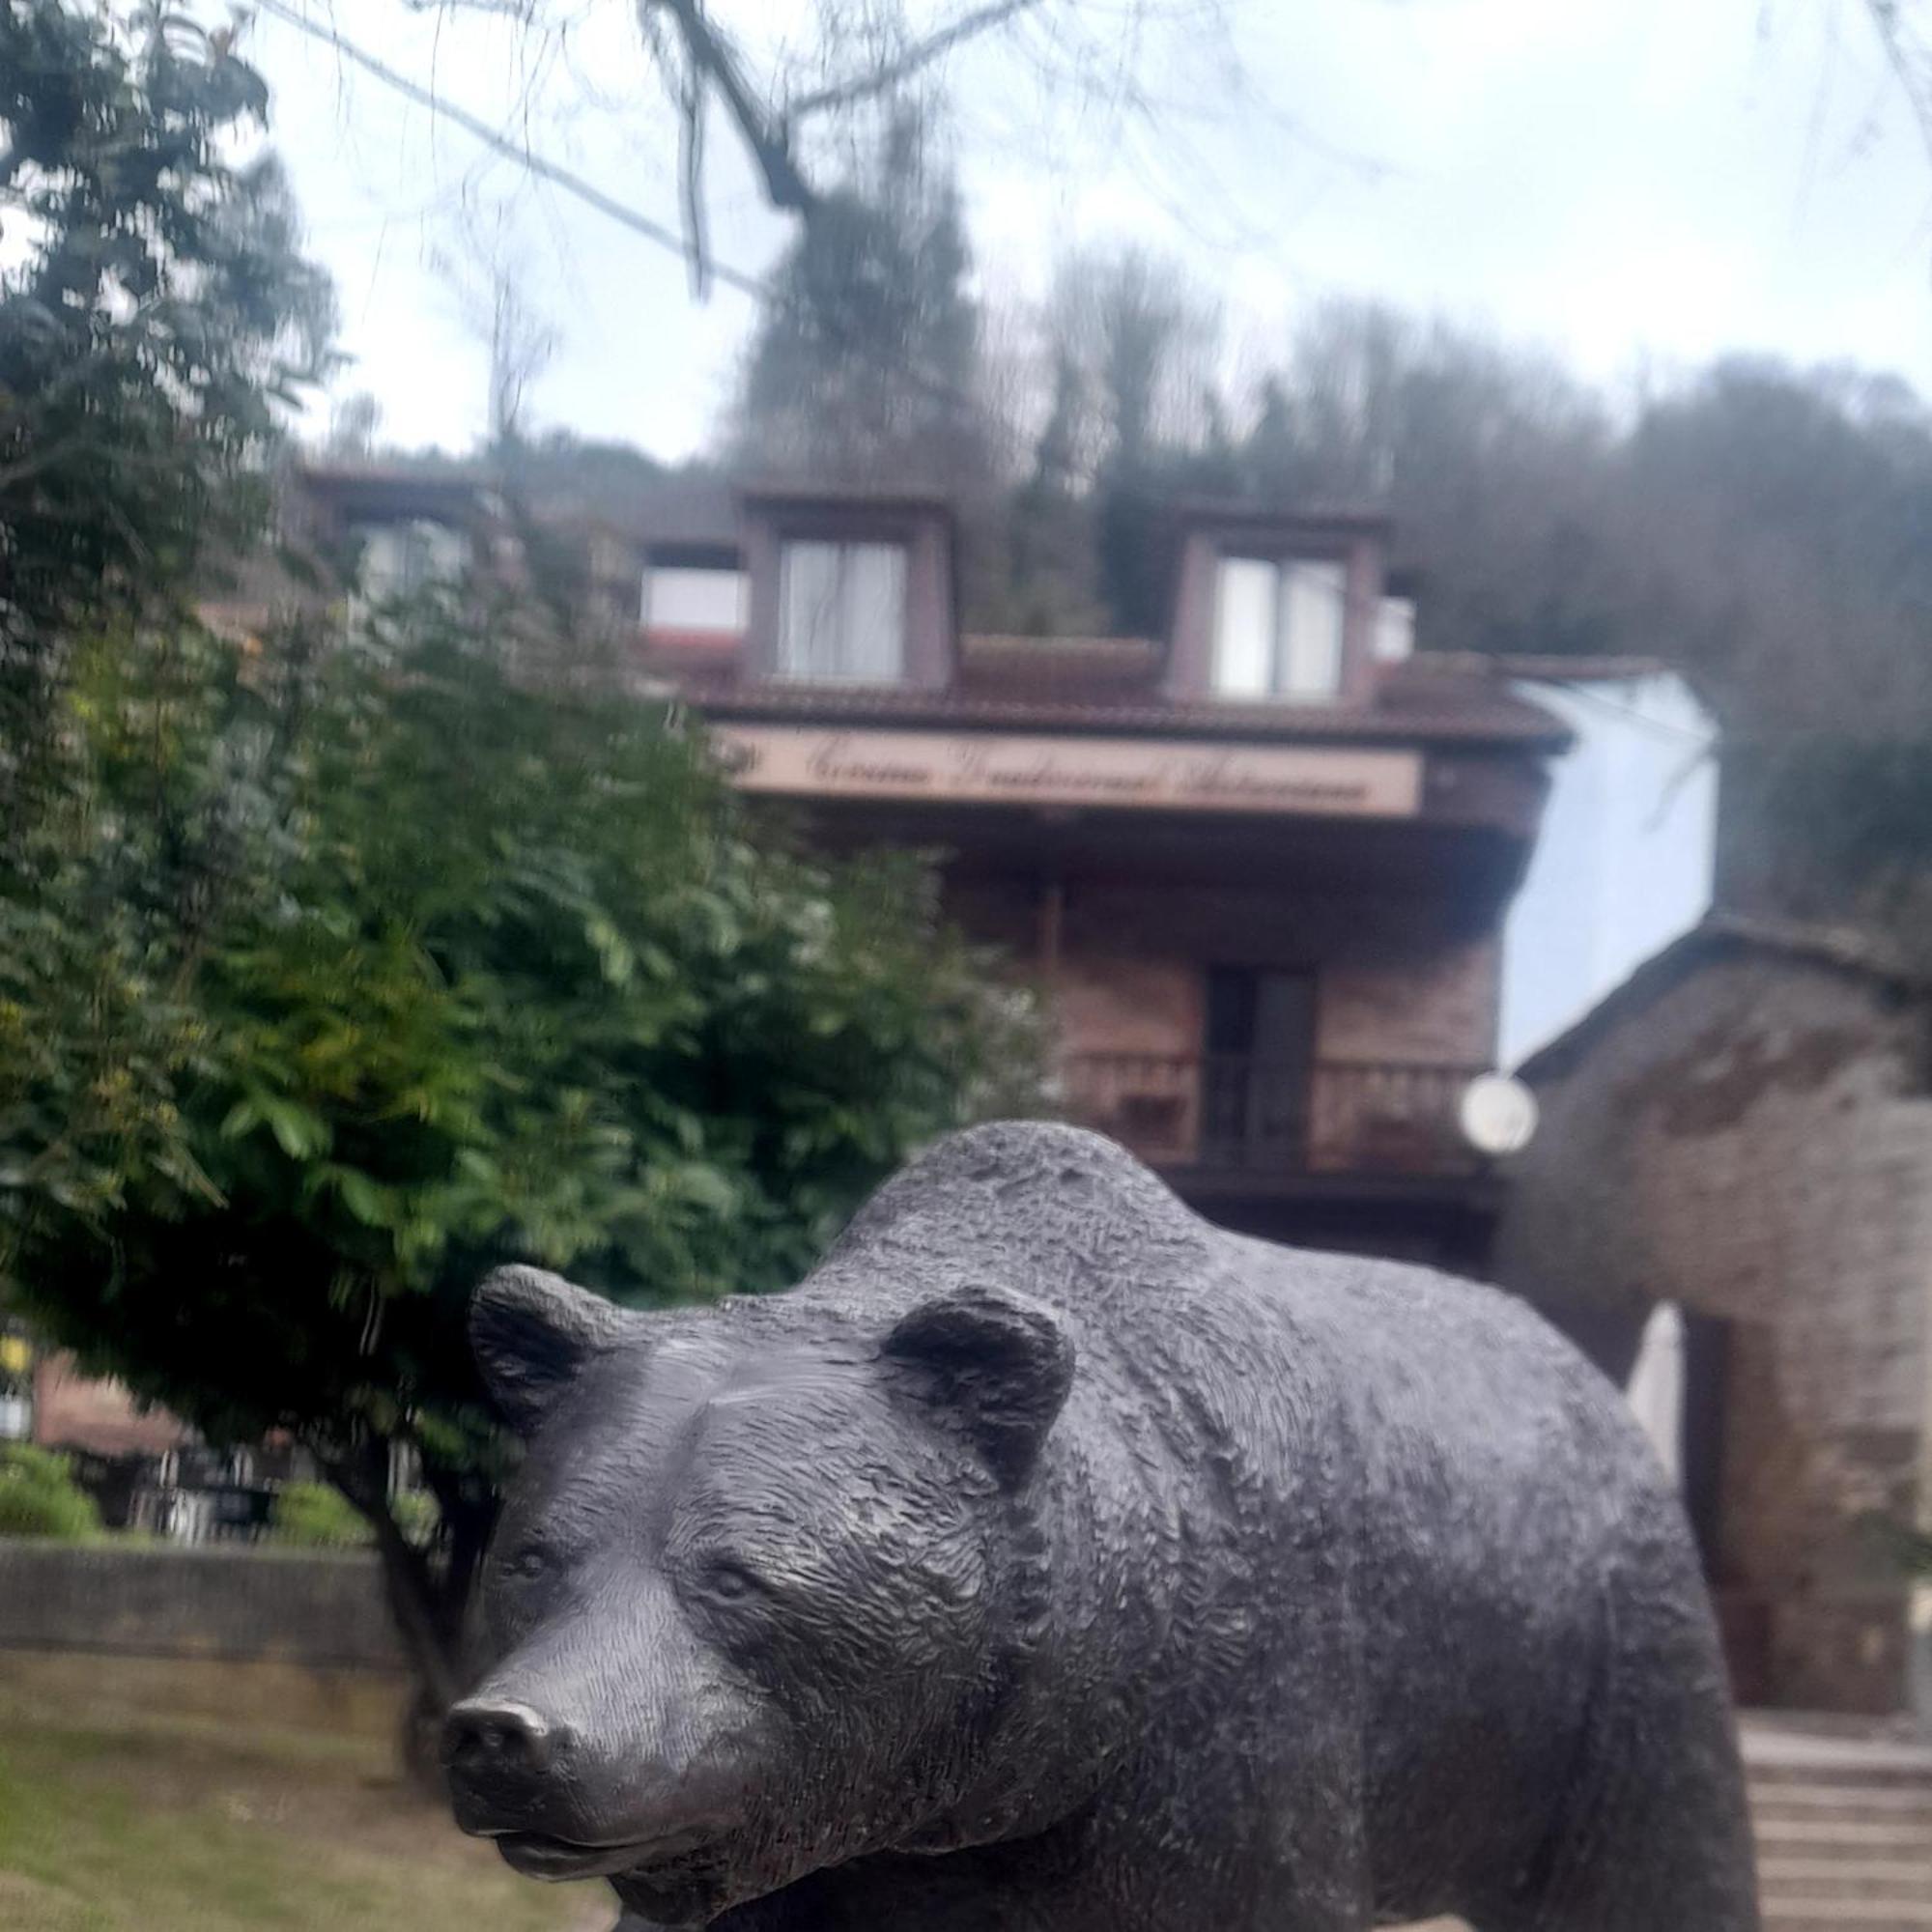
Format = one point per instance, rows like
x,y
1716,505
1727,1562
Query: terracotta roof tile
x,y
1483,716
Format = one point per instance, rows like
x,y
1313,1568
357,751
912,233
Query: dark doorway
x,y
1258,1067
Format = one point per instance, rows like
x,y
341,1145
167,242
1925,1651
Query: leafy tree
x,y
497,970
157,313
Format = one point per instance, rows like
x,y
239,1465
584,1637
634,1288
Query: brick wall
x,y
1393,983
73,1410
1107,1004
1755,1144
1433,1006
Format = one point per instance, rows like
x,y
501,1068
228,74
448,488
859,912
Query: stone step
x,y
1843,1828
1854,1835
1783,1881
1845,1914
1787,1759
1890,1801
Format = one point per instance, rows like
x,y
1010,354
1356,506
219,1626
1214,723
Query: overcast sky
x,y
1635,183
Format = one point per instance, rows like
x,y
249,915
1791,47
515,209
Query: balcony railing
x,y
1237,1112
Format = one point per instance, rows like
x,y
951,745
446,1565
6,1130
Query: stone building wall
x,y
1751,1137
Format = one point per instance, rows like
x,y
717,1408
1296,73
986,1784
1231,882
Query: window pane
x,y
1244,620
874,613
843,613
401,558
678,598
1313,611
808,610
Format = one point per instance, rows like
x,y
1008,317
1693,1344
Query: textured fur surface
x,y
1053,1559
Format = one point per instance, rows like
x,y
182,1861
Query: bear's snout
x,y
561,1805
489,1744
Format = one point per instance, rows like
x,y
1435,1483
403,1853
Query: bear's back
x,y
1400,1388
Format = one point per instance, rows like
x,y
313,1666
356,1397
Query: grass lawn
x,y
116,1816
136,1823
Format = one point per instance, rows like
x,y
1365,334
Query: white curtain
x,y
1314,599
1245,596
808,622
874,613
1278,629
843,613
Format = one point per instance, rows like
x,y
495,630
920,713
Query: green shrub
x,y
40,1497
315,1517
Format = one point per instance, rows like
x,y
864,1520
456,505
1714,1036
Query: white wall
x,y
1625,858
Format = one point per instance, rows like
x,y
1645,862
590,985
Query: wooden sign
x,y
1137,773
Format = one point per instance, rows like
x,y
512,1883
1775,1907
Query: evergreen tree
x,y
1052,561
866,364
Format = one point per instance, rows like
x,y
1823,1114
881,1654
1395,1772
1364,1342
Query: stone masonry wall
x,y
1755,1144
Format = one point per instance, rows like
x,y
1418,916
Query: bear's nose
x,y
505,1739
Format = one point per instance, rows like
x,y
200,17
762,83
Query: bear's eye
x,y
528,1563
731,1582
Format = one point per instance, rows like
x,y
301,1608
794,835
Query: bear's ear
x,y
530,1333
1000,1364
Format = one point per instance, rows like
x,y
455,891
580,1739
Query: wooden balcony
x,y
1233,1114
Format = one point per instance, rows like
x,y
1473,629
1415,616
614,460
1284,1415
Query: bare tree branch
x,y
514,10
915,60
713,57
1909,60
691,183
519,152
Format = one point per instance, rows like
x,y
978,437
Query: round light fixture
x,y
1497,1113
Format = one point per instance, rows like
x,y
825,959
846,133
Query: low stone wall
x,y
323,1612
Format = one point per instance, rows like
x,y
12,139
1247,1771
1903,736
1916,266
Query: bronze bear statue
x,y
1051,1558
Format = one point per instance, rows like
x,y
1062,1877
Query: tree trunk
x,y
428,1592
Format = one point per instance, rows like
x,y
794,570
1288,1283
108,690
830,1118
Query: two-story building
x,y
1258,866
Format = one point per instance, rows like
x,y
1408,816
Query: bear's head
x,y
760,1588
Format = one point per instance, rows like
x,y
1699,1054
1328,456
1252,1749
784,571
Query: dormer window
x,y
698,594
406,559
843,613
1279,626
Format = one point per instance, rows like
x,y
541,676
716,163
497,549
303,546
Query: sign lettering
x,y
1150,775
